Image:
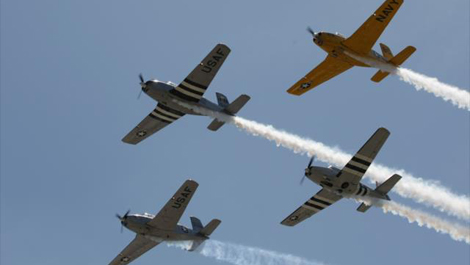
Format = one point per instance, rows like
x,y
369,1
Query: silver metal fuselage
x,y
138,224
160,92
329,178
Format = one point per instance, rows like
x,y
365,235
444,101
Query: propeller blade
x,y
311,162
302,180
121,228
118,216
142,84
127,213
310,30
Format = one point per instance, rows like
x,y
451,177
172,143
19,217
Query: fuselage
x,y
329,178
332,43
138,223
160,91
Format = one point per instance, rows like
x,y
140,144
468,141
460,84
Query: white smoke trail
x,y
458,97
430,193
455,231
243,255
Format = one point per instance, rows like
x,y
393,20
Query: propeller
x,y
123,218
142,84
310,30
307,170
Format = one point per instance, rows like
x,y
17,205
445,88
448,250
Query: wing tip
x,y
192,181
383,130
294,91
127,141
223,45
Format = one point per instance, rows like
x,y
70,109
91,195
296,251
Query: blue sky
x,y
68,95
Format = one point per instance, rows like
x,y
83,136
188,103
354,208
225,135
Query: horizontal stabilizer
x,y
385,187
195,245
237,104
363,207
231,109
379,76
403,55
210,227
196,223
215,125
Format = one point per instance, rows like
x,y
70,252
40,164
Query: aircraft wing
x,y
158,119
329,68
360,162
367,35
170,214
135,249
318,202
193,87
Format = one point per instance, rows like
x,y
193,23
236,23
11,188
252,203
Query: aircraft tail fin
x,y
222,100
230,109
395,60
210,227
196,223
387,53
205,231
402,56
382,189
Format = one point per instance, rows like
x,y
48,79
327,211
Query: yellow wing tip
x,y
294,92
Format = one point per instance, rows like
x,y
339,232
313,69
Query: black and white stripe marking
x,y
362,190
358,165
189,90
165,114
317,203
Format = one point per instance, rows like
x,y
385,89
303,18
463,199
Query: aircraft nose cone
x,y
307,171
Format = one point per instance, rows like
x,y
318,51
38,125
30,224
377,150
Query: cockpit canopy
x,y
339,34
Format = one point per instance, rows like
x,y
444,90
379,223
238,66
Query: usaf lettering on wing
x,y
387,11
182,198
207,68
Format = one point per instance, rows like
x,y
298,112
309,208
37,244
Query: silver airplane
x,y
173,100
337,184
151,229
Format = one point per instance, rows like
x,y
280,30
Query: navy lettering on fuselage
x,y
387,11
181,198
207,67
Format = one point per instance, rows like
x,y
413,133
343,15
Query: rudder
x,y
386,52
196,223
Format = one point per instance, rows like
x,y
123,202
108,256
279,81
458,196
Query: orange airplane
x,y
344,52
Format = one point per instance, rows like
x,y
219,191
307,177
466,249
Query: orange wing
x,y
367,35
328,69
